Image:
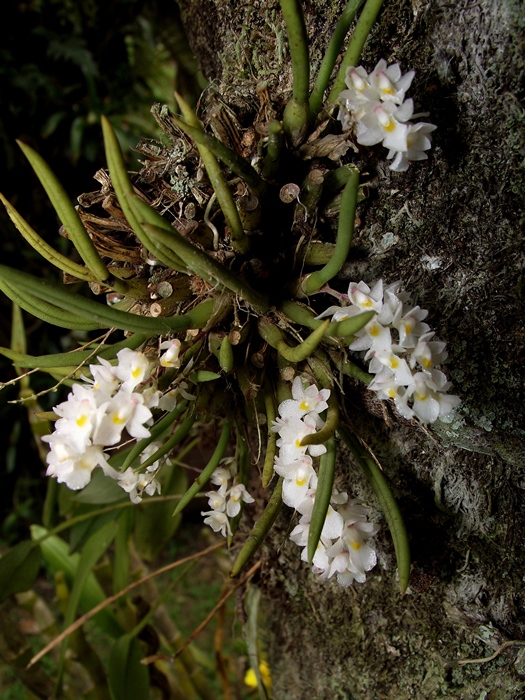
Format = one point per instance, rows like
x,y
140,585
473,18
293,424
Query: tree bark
x,y
451,228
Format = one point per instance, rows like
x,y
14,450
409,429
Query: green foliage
x,y
128,678
222,270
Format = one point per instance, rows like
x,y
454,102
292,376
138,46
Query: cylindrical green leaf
x,y
45,250
127,677
208,470
261,528
325,483
67,214
387,502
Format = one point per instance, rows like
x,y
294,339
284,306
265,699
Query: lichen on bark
x,y
451,229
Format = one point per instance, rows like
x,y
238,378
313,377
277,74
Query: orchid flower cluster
x,y
404,367
225,502
375,104
95,415
342,548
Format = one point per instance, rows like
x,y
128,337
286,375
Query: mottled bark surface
x,y
451,229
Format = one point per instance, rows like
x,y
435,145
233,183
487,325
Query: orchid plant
x,y
221,287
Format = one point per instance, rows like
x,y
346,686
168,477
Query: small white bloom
x,y
124,410
218,522
171,357
221,477
418,141
69,466
235,495
133,367
299,477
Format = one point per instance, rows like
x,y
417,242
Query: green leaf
x,y
387,502
96,313
127,677
18,569
100,491
208,469
92,550
127,198
155,526
261,528
45,250
45,311
75,357
84,530
57,558
67,213
323,494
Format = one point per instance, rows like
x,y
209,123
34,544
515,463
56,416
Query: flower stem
x,y
163,424
362,30
177,437
331,55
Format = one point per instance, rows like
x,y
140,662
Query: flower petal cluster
x,y
225,502
401,350
341,549
375,105
95,415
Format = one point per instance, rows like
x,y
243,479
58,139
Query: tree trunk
x,y
451,229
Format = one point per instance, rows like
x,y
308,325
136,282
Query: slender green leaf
x,y
57,558
364,25
239,240
207,267
45,250
75,357
128,679
387,502
18,569
252,600
261,528
45,311
100,313
323,494
126,195
208,469
67,214
345,230
331,56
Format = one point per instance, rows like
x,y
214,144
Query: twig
x,y
204,623
512,642
81,620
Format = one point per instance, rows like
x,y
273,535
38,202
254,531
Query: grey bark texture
x,y
451,228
